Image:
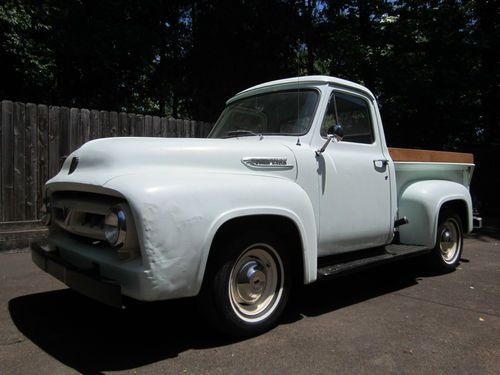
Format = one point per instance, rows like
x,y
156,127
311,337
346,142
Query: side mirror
x,y
336,132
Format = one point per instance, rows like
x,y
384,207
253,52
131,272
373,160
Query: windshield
x,y
275,113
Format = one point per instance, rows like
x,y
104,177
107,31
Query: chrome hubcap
x,y
256,283
250,282
449,240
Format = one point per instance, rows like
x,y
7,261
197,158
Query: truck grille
x,y
83,215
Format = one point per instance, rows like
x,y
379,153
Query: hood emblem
x,y
267,162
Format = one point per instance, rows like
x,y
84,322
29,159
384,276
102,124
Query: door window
x,y
354,116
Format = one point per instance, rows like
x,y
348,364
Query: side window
x,y
354,116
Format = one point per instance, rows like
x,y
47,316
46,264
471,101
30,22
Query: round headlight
x,y
46,213
115,228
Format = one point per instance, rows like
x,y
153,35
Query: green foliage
x,y
24,55
432,64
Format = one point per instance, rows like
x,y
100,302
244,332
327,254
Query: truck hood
x,y
101,160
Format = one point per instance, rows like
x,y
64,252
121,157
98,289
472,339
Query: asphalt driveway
x,y
395,319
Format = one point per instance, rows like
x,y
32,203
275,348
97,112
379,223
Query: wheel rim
x,y
256,283
450,241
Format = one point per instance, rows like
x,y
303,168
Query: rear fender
x,y
421,203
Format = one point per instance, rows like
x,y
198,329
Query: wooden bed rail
x,y
411,155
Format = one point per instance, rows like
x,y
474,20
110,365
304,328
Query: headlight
x,y
115,229
46,213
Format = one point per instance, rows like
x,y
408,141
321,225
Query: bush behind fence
x,y
35,139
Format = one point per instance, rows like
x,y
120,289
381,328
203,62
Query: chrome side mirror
x,y
337,133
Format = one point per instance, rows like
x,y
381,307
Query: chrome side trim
x,y
266,162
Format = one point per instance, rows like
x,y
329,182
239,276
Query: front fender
x,y
178,215
421,203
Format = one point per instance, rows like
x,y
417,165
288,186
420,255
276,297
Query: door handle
x,y
380,163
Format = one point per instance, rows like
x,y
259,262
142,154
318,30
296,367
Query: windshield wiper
x,y
242,132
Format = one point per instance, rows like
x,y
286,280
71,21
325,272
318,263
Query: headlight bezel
x,y
116,220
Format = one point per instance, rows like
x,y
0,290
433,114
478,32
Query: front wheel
x,y
449,243
247,285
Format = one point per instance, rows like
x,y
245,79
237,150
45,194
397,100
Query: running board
x,y
369,259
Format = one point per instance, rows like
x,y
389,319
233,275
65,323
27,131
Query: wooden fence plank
x,y
179,128
95,124
137,128
54,126
113,124
172,128
123,125
193,132
104,124
31,152
148,126
85,125
19,161
75,130
186,129
1,161
7,155
156,126
164,127
43,149
64,146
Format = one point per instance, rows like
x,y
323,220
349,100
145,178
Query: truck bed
x,y
413,165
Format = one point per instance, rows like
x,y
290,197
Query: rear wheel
x,y
449,242
247,285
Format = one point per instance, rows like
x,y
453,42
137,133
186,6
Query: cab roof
x,y
298,81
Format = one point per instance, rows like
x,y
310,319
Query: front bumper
x,y
103,290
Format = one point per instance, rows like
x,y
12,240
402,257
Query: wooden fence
x,y
35,139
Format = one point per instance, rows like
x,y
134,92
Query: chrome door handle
x,y
380,163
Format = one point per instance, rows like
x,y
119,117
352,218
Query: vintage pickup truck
x,y
295,183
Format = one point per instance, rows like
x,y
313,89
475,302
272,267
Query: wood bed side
x,y
411,155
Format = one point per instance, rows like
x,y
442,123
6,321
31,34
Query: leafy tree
x,y
26,59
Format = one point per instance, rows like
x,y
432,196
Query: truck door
x,y
355,194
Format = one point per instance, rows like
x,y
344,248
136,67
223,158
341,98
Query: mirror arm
x,y
325,145
338,134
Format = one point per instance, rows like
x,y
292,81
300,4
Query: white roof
x,y
309,80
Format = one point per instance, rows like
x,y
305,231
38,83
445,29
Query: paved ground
x,y
395,319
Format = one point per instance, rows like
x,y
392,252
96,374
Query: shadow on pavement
x,y
91,337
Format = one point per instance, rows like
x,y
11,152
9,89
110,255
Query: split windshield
x,y
276,113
